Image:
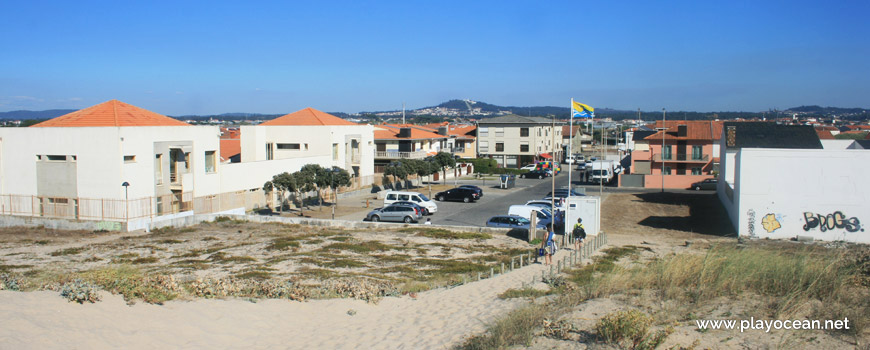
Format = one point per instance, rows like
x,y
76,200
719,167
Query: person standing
x,y
579,233
549,245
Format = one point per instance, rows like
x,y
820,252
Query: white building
x,y
118,162
777,181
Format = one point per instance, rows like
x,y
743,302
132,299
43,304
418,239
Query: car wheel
x,y
697,188
540,177
425,211
440,198
466,199
375,218
522,176
407,220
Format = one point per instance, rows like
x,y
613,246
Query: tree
x,y
338,177
308,178
445,160
398,170
282,183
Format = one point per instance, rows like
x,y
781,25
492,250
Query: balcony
x,y
400,155
681,158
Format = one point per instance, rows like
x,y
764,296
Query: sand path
x,y
436,319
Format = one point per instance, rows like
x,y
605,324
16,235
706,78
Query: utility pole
x,y
664,131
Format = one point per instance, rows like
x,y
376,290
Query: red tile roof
x,y
695,130
308,116
824,134
391,132
465,131
111,113
230,148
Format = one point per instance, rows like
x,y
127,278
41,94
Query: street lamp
x,y
126,201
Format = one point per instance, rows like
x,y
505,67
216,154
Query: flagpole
x,y
570,144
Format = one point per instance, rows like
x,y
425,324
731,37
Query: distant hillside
x,y
826,110
25,115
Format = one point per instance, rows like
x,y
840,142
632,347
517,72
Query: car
x,y
534,174
457,194
562,193
473,187
544,203
529,167
420,209
512,221
395,213
415,197
708,184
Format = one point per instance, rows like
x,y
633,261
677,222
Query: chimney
x,y
682,130
404,132
442,130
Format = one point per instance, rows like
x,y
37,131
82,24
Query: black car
x,y
421,210
708,184
473,187
457,194
535,174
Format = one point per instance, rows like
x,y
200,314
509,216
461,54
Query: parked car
x,y
529,167
708,184
415,197
473,187
563,193
420,209
544,215
512,221
395,213
544,203
458,194
535,174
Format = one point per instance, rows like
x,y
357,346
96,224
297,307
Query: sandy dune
x,y
436,319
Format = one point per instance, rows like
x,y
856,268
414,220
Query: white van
x,y
545,217
413,197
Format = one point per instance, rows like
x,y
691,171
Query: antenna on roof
x,y
403,112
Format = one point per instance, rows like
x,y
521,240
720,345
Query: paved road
x,y
497,201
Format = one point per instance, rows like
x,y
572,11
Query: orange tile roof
x,y
824,134
695,130
391,132
111,113
460,131
308,116
230,148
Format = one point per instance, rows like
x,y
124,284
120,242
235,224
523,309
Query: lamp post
x,y
126,201
664,131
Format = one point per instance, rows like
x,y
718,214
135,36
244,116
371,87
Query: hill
x,y
25,115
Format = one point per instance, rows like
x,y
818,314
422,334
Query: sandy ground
x,y
433,320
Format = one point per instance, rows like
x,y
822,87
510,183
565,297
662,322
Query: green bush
x,y
630,330
481,165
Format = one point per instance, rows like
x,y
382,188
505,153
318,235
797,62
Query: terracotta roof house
x,y
677,155
111,113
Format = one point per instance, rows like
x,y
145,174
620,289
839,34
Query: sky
x,y
212,57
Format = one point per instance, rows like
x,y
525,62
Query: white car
x,y
529,167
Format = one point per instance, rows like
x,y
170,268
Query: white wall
x,y
792,189
836,144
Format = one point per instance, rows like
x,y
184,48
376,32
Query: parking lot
x,y
495,201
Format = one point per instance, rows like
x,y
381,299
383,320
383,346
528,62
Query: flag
x,y
582,110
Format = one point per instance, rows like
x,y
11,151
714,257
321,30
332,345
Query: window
x,y
696,171
56,158
291,146
666,152
484,146
524,147
186,162
404,197
209,161
539,131
666,170
158,165
334,151
391,196
270,151
499,147
129,159
697,152
524,132
483,131
499,132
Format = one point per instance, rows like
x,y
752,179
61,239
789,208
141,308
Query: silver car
x,y
512,221
394,213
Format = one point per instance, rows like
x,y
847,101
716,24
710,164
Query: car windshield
x,y
522,221
423,197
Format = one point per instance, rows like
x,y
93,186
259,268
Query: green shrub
x,y
80,291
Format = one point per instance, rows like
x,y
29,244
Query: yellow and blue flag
x,y
582,110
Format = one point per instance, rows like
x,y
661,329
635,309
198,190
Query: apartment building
x,y
115,162
678,154
514,141
404,141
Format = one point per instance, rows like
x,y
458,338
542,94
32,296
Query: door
x,y
681,150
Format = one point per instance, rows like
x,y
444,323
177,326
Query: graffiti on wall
x,y
751,221
835,220
770,222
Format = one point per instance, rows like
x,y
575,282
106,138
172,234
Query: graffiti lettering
x,y
831,221
751,227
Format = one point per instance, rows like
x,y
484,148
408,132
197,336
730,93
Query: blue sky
x,y
189,57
